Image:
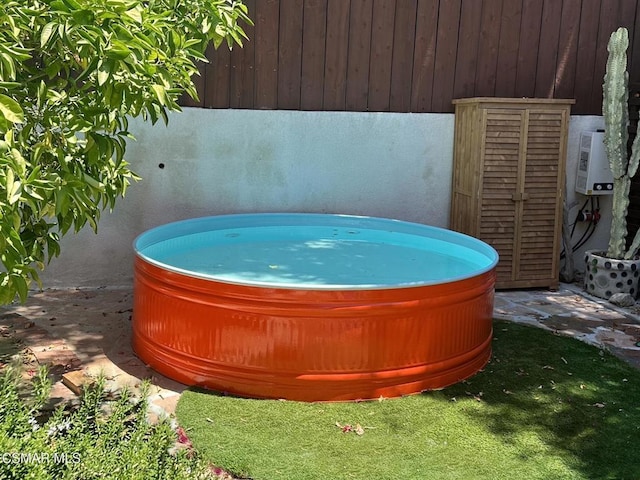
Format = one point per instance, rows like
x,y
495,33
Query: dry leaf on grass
x,y
347,428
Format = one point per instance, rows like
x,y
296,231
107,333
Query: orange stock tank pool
x,y
312,307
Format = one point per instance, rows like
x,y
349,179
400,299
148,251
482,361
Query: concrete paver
x,y
87,329
90,330
571,311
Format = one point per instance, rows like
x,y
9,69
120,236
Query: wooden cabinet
x,y
508,183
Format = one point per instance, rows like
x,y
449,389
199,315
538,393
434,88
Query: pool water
x,y
323,257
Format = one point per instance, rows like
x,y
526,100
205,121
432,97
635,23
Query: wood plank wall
x,y
417,55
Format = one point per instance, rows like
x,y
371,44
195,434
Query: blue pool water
x,y
315,251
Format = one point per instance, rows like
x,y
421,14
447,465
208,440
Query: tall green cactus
x,y
616,118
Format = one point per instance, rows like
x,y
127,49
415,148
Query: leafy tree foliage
x,y
72,72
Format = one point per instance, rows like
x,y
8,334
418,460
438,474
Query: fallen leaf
x,y
599,405
182,437
477,397
345,428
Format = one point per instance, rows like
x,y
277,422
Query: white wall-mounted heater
x,y
594,175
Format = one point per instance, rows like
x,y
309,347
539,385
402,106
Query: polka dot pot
x,y
606,276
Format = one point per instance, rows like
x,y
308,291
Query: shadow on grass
x,y
545,407
581,401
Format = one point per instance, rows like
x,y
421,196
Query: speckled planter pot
x,y
605,276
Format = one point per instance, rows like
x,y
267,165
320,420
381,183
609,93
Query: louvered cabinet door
x,y
501,179
508,183
540,220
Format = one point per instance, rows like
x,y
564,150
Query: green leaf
x,y
84,17
11,109
161,93
135,14
104,72
91,67
42,93
64,223
72,4
59,6
9,178
34,174
8,66
22,287
93,182
53,245
10,85
14,192
46,33
7,291
118,51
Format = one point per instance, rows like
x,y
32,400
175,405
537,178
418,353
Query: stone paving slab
x,y
90,330
87,330
571,311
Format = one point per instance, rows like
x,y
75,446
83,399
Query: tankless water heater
x,y
594,174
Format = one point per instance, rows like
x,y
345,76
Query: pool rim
x,y
150,237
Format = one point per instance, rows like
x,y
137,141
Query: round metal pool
x,y
312,307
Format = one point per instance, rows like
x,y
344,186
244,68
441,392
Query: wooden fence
x,y
417,55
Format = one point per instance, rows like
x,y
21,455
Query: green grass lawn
x,y
546,407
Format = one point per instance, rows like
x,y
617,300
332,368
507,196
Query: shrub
x,y
96,439
72,72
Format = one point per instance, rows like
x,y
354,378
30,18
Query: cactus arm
x,y
633,249
615,97
614,102
635,157
633,167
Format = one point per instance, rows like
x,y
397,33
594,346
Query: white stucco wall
x,y
232,161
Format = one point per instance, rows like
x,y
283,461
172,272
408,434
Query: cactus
x,y
616,117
